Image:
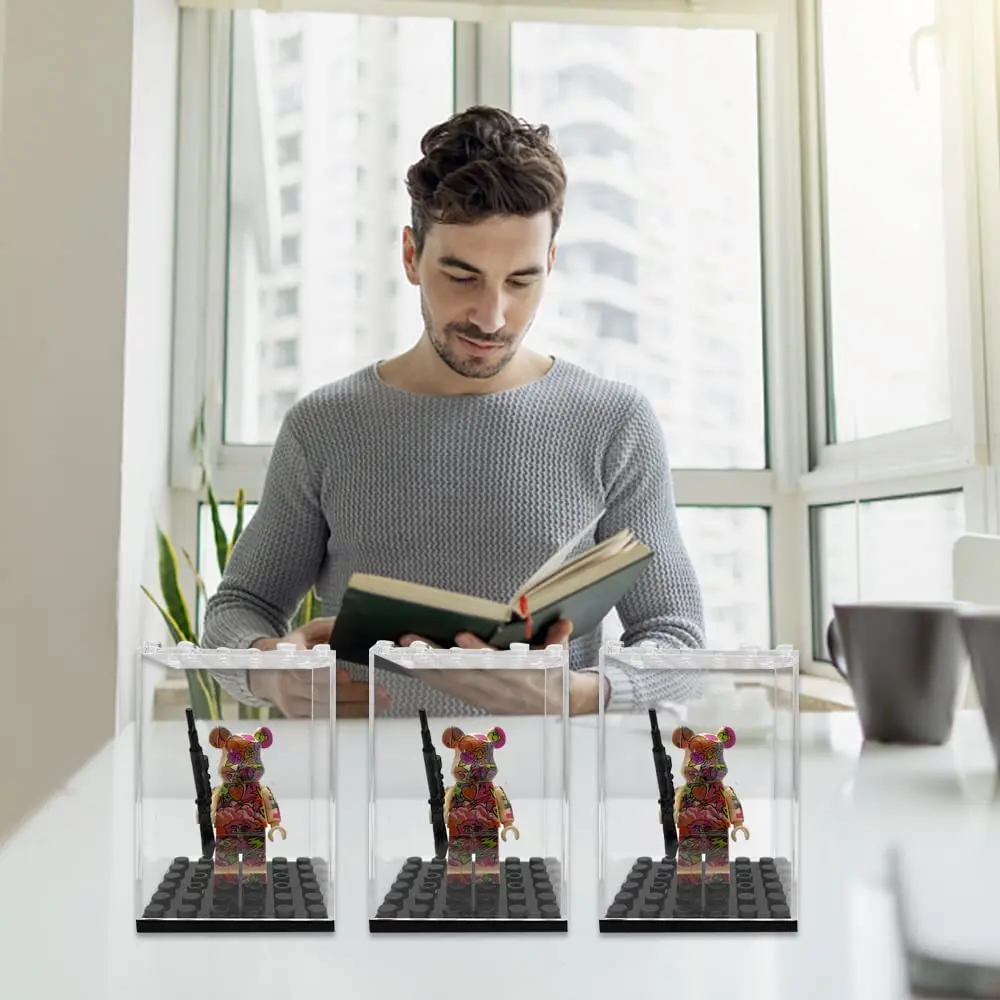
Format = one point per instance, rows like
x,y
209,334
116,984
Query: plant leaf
x,y
304,612
173,596
198,581
240,504
172,626
196,442
221,542
203,690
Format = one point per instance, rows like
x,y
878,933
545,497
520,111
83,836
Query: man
x,y
466,460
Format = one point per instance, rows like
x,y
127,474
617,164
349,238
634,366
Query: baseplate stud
x,y
653,899
190,900
424,898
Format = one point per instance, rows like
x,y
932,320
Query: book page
x,y
601,553
555,561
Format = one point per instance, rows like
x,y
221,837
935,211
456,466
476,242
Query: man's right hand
x,y
298,694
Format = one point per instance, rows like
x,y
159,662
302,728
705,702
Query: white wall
x,y
65,310
149,314
3,25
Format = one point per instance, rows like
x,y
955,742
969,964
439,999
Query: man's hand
x,y
515,692
302,694
313,633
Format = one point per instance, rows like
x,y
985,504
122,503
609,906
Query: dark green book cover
x,y
368,616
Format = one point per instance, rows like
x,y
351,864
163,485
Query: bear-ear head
x,y
451,736
264,737
497,737
727,736
219,737
682,737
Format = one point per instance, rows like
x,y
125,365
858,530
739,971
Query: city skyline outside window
x,y
658,275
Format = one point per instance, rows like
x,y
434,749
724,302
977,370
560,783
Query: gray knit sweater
x,y
469,493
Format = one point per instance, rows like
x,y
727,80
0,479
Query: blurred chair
x,y
975,573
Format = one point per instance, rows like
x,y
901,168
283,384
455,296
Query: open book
x,y
582,589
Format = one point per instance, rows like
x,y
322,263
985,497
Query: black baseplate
x,y
190,899
651,899
525,897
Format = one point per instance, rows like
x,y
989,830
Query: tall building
x,y
658,274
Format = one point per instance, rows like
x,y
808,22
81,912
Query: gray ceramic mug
x,y
904,663
981,629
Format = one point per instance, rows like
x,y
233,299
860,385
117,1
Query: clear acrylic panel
x,y
235,805
468,800
699,800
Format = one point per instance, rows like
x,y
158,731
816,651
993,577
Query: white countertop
x,y
67,926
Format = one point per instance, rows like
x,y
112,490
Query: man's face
x,y
480,287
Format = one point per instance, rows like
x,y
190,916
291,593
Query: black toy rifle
x,y
665,782
202,788
435,786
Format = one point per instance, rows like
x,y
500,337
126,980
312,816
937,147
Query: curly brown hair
x,y
481,163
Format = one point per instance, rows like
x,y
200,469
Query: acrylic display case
x,y
698,796
234,805
468,791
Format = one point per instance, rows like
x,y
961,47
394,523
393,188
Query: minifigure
x,y
475,808
242,808
705,808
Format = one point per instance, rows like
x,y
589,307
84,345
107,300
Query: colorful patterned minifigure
x,y
242,808
475,808
705,808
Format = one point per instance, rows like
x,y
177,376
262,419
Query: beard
x,y
458,357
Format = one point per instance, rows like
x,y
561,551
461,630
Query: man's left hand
x,y
509,692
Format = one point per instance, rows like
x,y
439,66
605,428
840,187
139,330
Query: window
x,y
291,199
590,139
897,549
289,99
859,427
290,49
728,546
894,479
288,302
290,148
284,400
611,323
290,249
686,87
332,171
206,558
600,259
593,81
885,216
604,198
286,353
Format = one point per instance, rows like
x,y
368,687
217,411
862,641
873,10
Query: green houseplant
x,y
204,691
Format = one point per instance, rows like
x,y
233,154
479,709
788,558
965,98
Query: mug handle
x,y
836,648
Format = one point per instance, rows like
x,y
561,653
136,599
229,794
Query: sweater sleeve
x,y
275,561
664,607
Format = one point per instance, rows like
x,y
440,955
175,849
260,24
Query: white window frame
x,y
803,471
949,455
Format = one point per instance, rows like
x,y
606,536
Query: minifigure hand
x,y
741,829
274,830
510,829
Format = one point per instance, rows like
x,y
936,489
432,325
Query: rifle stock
x,y
435,788
665,785
202,788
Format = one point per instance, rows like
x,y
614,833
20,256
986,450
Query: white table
x,y
67,925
